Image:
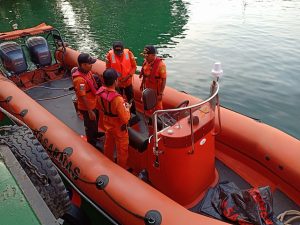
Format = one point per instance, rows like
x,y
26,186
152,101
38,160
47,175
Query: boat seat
x,y
149,99
137,140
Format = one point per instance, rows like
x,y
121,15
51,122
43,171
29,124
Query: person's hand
x,y
124,79
128,105
92,115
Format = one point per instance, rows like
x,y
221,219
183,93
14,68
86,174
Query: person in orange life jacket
x,y
116,116
85,88
123,61
153,73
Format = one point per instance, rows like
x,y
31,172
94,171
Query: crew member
x,y
85,88
123,61
153,73
116,114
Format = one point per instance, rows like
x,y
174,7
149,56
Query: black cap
x,y
109,76
118,47
149,49
85,58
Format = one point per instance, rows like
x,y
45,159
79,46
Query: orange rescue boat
x,y
177,154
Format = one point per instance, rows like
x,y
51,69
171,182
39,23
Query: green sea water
x,y
257,43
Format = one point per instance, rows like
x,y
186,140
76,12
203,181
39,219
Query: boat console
x,y
177,149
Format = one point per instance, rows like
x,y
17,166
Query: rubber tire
x,y
54,194
76,216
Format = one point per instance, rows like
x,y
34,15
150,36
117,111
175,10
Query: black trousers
x,y
91,127
128,91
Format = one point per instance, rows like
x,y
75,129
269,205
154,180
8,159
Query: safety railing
x,y
164,119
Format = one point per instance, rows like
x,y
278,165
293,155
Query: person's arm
x,y
163,76
162,87
142,87
91,113
143,77
123,110
107,61
133,63
80,89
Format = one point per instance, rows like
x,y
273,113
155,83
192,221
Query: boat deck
x,y
62,107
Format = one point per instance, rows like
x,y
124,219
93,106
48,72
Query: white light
x,y
217,71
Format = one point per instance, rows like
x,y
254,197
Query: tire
x,y
26,147
76,216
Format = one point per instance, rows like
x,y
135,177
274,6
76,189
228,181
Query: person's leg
x,y
109,145
122,142
130,96
99,122
91,128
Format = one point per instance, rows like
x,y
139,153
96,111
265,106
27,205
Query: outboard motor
x,y
12,57
39,51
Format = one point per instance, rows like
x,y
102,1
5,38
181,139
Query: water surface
x,y
256,41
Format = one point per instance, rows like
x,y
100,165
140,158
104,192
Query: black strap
x,y
109,113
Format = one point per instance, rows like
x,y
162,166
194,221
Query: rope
x,y
12,117
51,88
113,200
56,97
122,207
295,216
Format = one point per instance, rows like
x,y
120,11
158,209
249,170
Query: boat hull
x,y
259,153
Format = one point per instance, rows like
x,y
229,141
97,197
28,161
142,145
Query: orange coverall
x,y
115,120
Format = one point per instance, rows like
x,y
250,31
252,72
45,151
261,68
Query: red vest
x,y
108,96
153,78
154,70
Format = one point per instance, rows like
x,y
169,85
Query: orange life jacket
x,y
90,81
153,79
122,65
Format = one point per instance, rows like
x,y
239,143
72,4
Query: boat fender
x,y
153,217
102,181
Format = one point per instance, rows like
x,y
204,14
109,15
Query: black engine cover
x,y
12,57
39,51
